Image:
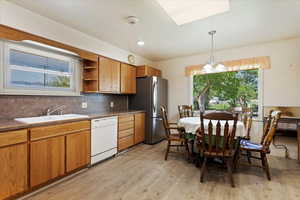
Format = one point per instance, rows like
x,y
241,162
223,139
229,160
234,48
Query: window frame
x,y
6,88
259,98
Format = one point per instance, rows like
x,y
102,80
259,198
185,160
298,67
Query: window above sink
x,y
30,70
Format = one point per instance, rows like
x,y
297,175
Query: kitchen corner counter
x,y
11,124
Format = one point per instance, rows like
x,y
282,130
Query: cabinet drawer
x,y
56,130
126,142
126,125
126,118
126,133
13,137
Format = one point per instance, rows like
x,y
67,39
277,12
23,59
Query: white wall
x,y
281,86
23,19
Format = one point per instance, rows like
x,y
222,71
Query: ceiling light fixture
x,y
183,11
212,66
141,43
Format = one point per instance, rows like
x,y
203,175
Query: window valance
x,y
234,65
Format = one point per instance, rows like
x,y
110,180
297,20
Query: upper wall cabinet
x,y
109,75
143,71
90,76
128,79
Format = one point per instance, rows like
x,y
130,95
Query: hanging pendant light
x,y
212,66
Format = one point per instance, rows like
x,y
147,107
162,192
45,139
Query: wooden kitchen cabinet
x,y
125,131
109,75
44,132
56,147
90,77
47,160
139,128
144,71
78,150
14,168
131,130
125,142
128,79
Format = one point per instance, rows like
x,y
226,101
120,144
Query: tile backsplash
x,y
28,106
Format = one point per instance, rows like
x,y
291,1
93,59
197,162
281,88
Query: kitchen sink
x,y
49,118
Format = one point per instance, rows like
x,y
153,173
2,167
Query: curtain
x,y
234,65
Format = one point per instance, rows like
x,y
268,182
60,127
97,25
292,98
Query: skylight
x,y
186,11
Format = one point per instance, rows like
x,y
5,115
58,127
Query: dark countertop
x,y
10,124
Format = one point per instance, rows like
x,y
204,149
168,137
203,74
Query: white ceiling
x,y
247,22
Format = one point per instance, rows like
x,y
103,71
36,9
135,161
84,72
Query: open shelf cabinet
x,y
90,77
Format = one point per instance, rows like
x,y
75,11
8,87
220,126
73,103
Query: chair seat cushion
x,y
247,144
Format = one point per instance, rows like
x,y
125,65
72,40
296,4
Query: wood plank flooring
x,y
142,174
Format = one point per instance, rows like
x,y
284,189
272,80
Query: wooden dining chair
x,y
263,148
176,139
215,143
248,126
185,111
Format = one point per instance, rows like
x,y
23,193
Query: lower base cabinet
x,y
78,149
139,128
47,160
54,151
13,170
131,130
125,142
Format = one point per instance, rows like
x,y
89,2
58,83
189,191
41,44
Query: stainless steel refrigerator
x,y
152,92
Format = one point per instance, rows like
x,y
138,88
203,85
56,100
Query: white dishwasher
x,y
104,138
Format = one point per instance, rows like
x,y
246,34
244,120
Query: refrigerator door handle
x,y
154,97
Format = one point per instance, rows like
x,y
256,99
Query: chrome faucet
x,y
57,109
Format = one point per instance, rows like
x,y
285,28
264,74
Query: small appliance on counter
x,y
152,93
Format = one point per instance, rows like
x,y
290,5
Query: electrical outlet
x,y
111,104
84,105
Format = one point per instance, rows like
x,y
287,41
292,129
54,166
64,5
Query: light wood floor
x,y
142,174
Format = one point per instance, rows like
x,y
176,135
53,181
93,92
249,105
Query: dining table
x,y
192,124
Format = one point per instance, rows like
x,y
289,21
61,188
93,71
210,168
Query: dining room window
x,y
230,91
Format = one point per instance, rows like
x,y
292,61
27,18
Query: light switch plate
x,y
84,105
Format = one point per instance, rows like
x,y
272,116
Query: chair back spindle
x,y
247,116
185,111
267,126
